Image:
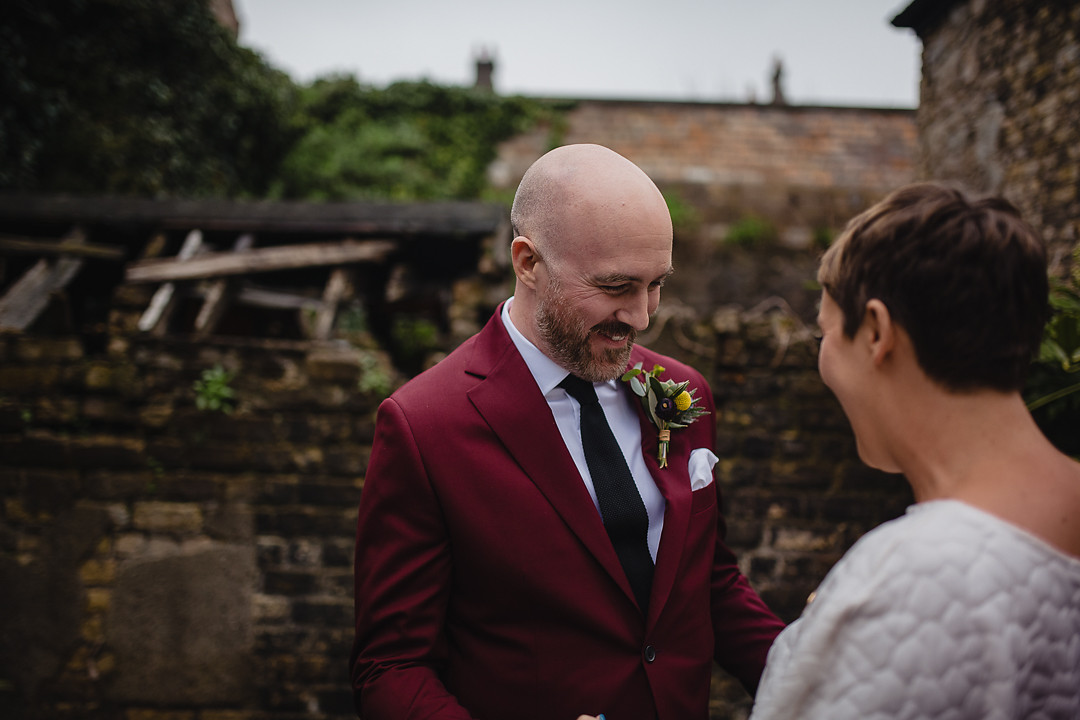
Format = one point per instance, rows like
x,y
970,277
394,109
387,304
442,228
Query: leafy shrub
x,y
1053,388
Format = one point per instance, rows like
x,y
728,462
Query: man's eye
x,y
615,289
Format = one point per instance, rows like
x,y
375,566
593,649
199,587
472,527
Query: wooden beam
x,y
217,299
427,221
259,297
30,294
23,245
267,259
161,304
336,287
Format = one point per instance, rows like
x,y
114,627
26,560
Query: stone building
x,y
999,102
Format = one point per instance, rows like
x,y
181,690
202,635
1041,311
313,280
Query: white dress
x,y
946,613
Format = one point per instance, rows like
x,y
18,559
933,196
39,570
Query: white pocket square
x,y
700,468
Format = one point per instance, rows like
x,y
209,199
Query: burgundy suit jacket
x,y
486,586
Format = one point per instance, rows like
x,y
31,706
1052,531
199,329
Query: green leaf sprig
x,y
668,404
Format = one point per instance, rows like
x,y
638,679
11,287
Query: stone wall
x,y
161,562
1000,98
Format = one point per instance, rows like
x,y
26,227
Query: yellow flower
x,y
683,401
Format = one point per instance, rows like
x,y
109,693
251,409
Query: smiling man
x,y
521,552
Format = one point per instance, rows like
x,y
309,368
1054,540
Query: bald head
x,y
591,251
578,181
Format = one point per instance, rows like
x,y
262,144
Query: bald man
x,y
493,579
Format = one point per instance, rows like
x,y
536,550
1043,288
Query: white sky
x,y
835,52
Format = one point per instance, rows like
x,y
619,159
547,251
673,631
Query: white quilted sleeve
x,y
936,615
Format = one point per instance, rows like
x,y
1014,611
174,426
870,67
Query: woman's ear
x,y
524,256
880,331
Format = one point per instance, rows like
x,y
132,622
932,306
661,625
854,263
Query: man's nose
x,y
636,310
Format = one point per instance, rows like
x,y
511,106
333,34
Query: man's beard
x,y
567,339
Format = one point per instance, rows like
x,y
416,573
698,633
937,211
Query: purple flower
x,y
666,408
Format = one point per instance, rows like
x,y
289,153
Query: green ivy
x,y
408,141
1053,388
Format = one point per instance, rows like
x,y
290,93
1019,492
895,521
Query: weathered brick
x,y
98,571
105,451
158,714
337,584
305,552
270,609
42,350
167,517
97,599
323,613
300,521
338,494
338,553
289,582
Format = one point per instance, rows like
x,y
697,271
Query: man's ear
x,y
880,331
524,256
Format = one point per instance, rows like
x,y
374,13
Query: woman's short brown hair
x,y
965,278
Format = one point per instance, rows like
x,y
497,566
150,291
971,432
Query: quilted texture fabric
x,y
946,613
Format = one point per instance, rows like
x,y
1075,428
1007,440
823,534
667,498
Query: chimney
x,y
485,68
224,12
777,80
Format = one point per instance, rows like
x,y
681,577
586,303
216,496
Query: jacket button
x,y
650,653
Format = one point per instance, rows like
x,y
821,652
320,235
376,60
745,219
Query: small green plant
x,y
751,231
413,338
212,390
352,320
373,378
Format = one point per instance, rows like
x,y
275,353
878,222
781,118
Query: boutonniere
x,y
667,404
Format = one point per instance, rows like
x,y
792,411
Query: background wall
x,y
164,562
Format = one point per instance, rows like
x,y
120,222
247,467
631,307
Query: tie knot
x,y
580,390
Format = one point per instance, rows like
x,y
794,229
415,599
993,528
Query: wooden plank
x,y
162,303
260,297
283,257
336,287
217,299
28,297
23,245
426,221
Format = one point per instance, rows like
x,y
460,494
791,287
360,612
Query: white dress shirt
x,y
621,416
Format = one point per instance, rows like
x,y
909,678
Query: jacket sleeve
x,y
743,626
403,568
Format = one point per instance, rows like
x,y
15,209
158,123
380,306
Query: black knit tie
x,y
621,507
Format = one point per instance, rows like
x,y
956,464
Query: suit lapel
x,y
512,405
673,482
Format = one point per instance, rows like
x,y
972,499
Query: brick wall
x,y
159,561
803,168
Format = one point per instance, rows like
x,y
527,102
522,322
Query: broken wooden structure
x,y
209,268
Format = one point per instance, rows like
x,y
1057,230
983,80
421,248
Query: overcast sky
x,y
834,52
